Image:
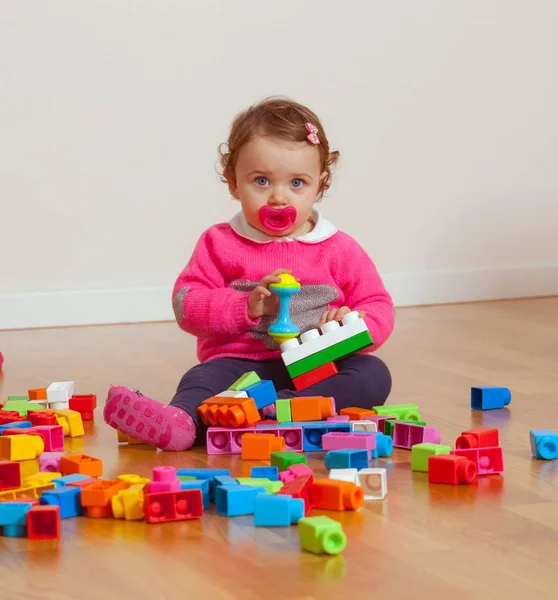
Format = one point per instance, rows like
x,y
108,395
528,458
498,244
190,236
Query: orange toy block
x,y
21,447
357,414
314,376
316,408
96,498
82,464
332,494
228,412
126,439
259,446
37,394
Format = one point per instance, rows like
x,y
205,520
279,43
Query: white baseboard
x,y
134,305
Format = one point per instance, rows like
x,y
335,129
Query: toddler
x,y
277,164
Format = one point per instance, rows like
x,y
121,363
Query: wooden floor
x,y
496,539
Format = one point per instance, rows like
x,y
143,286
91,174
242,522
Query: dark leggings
x,y
363,380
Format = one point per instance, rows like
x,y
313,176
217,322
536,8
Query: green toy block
x,y
17,403
421,452
271,487
402,412
247,379
34,407
321,535
390,424
186,477
283,460
335,352
283,410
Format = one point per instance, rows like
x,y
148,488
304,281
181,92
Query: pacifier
x,y
277,219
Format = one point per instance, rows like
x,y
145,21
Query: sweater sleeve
x,y
364,290
203,305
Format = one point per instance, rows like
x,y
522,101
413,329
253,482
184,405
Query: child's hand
x,y
337,314
263,302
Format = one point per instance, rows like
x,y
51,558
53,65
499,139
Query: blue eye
x,y
297,183
262,181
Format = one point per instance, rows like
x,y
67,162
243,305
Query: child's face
x,y
278,174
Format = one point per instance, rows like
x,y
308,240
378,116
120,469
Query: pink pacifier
x,y
277,219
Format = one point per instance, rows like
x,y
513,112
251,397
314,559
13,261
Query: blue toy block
x,y
209,474
271,473
312,434
263,393
544,444
198,484
16,424
13,518
67,498
346,459
277,511
384,443
64,481
489,398
233,501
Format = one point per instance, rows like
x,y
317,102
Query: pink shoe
x,y
166,427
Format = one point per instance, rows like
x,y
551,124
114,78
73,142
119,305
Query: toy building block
x,y
37,394
406,435
346,459
259,446
210,474
402,412
321,535
39,418
447,468
164,480
59,394
283,410
364,425
357,414
165,507
81,483
36,405
389,426
236,500
271,487
479,437
133,478
263,393
41,479
294,471
344,475
489,398
67,498
198,484
283,460
271,473
311,409
126,439
64,480
421,452
10,416
489,461
52,435
228,412
43,523
330,343
315,376
313,433
283,328
248,379
128,504
15,425
376,444
70,421
96,498
544,444
373,482
10,475
231,394
338,419
82,464
13,518
50,461
333,494
20,447
85,405
300,487
17,404
277,511
228,440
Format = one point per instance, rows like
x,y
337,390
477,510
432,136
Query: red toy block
x,y
315,376
37,394
358,414
480,437
333,494
228,412
41,418
448,468
10,475
43,522
259,446
85,405
82,464
314,408
489,461
173,506
300,487
10,416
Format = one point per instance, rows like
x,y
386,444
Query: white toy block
x,y
312,342
40,404
344,475
59,394
363,426
373,482
232,394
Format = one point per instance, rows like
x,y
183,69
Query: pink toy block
x,y
342,440
164,480
338,419
295,471
489,461
406,435
50,461
228,440
53,435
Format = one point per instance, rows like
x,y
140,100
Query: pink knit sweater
x,y
210,297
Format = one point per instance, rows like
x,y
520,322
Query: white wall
x,y
111,111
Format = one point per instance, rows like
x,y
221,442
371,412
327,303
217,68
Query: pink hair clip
x,y
313,136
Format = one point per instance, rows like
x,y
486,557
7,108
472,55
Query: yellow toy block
x,y
21,447
132,479
126,439
28,491
71,422
41,478
128,503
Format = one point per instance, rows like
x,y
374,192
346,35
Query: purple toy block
x,y
295,471
338,419
50,461
342,440
406,435
164,480
228,440
489,461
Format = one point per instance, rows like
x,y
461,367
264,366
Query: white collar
x,y
323,229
